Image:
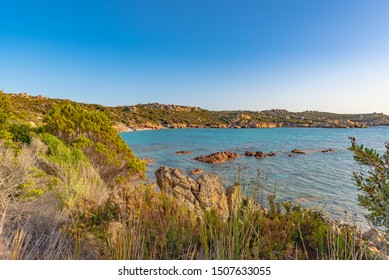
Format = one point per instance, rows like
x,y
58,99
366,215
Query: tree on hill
x,y
374,182
92,132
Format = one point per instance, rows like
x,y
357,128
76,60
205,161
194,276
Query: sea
x,y
321,181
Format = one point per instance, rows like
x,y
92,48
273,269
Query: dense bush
x,y
92,132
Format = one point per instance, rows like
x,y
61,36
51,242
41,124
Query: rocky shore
x,y
208,194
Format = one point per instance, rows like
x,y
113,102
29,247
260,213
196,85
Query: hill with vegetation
x,y
33,109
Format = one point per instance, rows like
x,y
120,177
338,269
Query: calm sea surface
x,y
317,180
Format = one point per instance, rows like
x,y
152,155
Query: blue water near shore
x,y
318,180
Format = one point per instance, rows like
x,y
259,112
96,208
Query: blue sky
x,y
327,55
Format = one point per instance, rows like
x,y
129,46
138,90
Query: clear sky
x,y
327,55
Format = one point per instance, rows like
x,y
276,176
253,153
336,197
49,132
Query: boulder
x,y
172,181
217,157
204,194
328,151
24,95
271,154
249,153
234,198
212,195
377,238
295,151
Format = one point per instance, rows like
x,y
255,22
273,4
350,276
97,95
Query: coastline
x,y
130,129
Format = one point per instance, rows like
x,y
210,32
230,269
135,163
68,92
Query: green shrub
x,y
59,153
5,110
373,181
92,132
21,133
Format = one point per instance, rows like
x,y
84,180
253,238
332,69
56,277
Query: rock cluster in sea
x,y
217,157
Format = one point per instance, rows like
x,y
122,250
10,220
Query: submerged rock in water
x,y
295,151
328,151
259,154
217,157
205,193
249,153
196,171
183,152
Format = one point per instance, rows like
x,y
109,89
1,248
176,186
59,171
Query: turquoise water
x,y
319,180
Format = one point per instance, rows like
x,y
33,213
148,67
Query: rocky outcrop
x,y
204,194
217,157
211,195
170,107
173,182
234,198
178,125
296,151
259,154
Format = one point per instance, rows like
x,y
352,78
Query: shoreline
x,y
208,127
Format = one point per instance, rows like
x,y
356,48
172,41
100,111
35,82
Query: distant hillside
x,y
32,110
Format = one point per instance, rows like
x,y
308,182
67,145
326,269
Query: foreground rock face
x,y
173,182
211,194
217,157
234,199
205,193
